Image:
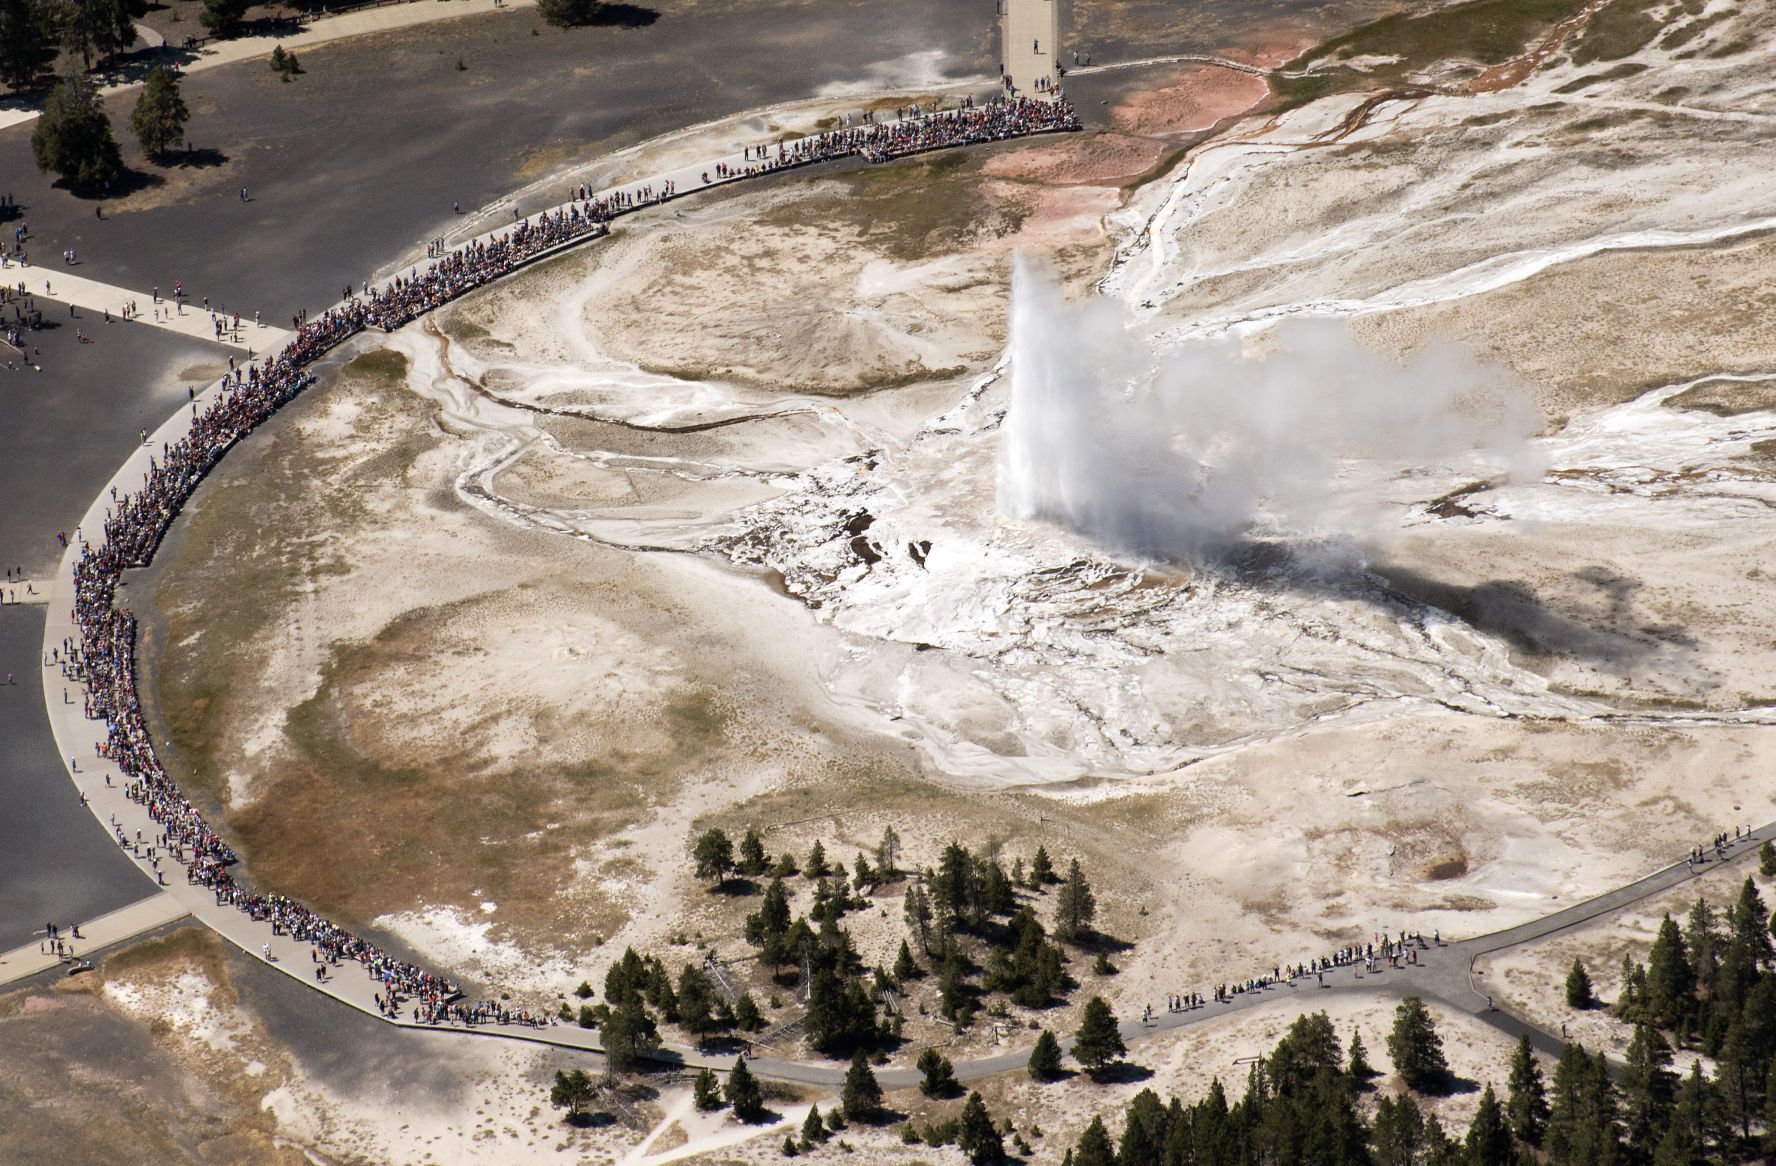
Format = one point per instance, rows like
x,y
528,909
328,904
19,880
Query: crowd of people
x,y
913,130
1394,950
102,654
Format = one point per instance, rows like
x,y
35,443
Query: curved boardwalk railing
x,y
100,651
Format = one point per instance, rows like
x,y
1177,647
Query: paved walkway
x,y
95,935
1030,40
58,288
320,31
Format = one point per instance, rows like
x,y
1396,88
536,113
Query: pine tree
x,y
1098,1040
997,892
887,853
1357,1067
1670,979
1630,1002
627,1034
937,1075
1737,1078
816,866
905,968
1769,1109
976,1135
158,118
767,926
744,1094
1578,986
1076,906
696,1001
861,1098
1094,1147
1526,1104
27,41
1042,871
813,1128
746,1014
1489,1138
753,859
1144,1132
1703,936
714,854
706,1091
73,137
1309,1048
1684,1142
918,916
1648,1089
1399,1131
572,1091
1045,1058
1767,860
221,16
98,28
1751,925
1582,1117
1439,1148
1415,1048
951,887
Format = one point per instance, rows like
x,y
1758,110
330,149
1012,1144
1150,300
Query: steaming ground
x,y
742,462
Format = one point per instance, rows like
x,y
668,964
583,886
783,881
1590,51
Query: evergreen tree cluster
x,y
1300,1106
33,31
1709,985
970,916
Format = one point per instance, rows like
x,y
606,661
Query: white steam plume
x,y
1194,451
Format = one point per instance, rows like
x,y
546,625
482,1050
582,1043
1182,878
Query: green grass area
x,y
1485,32
1616,73
1682,34
384,364
1620,29
184,946
914,209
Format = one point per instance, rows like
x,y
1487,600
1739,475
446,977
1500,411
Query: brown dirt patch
x,y
1195,99
1081,159
1726,398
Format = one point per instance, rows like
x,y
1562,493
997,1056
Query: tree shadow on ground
x,y
200,158
1448,1085
125,184
1529,622
620,16
1121,1073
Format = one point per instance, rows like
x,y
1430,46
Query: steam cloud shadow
x,y
1529,622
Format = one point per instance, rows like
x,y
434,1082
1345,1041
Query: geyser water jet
x,y
1195,451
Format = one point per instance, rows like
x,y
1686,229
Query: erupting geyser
x,y
1192,451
